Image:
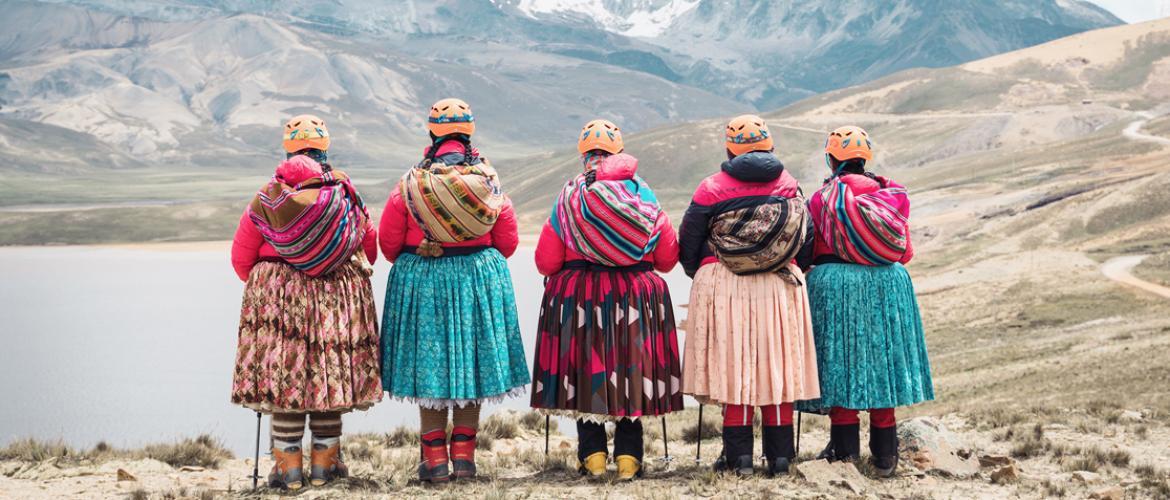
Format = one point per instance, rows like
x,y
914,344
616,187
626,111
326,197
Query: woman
x,y
606,347
450,336
749,335
870,344
308,339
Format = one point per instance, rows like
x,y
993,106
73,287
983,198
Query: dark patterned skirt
x,y
606,346
307,344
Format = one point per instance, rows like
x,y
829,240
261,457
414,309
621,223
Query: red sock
x,y
737,415
777,415
882,418
843,416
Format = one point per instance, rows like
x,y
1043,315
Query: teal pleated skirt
x,y
450,335
871,350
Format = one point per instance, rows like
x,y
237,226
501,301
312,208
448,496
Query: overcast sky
x,y
1136,11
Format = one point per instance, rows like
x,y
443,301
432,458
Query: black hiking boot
x,y
883,445
737,451
778,449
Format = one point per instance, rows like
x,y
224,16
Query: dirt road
x,y
1118,269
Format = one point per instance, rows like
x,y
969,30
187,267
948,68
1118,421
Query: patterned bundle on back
x,y
453,203
315,226
762,237
870,229
610,222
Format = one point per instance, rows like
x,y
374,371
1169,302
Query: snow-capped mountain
x,y
773,52
197,81
212,91
637,18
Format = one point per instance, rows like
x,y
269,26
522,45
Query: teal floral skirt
x,y
871,350
450,336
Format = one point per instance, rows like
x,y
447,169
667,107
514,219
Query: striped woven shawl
x,y
453,203
869,229
315,226
610,222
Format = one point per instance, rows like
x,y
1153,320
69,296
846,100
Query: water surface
x,y
137,345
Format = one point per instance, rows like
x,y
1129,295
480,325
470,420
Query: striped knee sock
x,y
288,429
326,428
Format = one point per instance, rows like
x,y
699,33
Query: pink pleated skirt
x,y
749,339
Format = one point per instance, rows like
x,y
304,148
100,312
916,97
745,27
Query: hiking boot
x,y
844,443
883,445
594,465
628,467
463,452
326,464
434,467
737,451
778,449
287,472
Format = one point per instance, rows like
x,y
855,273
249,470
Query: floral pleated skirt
x,y
871,349
450,333
749,339
606,346
307,344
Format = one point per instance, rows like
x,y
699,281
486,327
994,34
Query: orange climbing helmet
x,y
747,133
600,134
305,132
849,143
451,116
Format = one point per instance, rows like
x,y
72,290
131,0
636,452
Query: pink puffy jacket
x,y
248,245
552,254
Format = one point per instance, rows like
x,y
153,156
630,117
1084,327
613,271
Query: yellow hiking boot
x,y
594,464
628,467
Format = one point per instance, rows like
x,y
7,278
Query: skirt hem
x,y
449,403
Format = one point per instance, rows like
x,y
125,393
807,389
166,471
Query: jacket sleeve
x,y
550,251
804,256
370,244
246,247
693,233
666,253
392,228
506,231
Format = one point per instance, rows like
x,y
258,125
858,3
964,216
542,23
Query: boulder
x,y
1130,416
933,448
995,460
1007,474
1110,493
836,474
1086,477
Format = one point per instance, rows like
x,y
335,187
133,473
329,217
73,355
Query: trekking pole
x,y
699,439
665,443
256,458
799,414
546,418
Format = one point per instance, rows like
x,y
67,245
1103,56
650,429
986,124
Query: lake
x,y
134,345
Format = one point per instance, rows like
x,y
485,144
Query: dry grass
x,y
179,494
33,450
202,451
